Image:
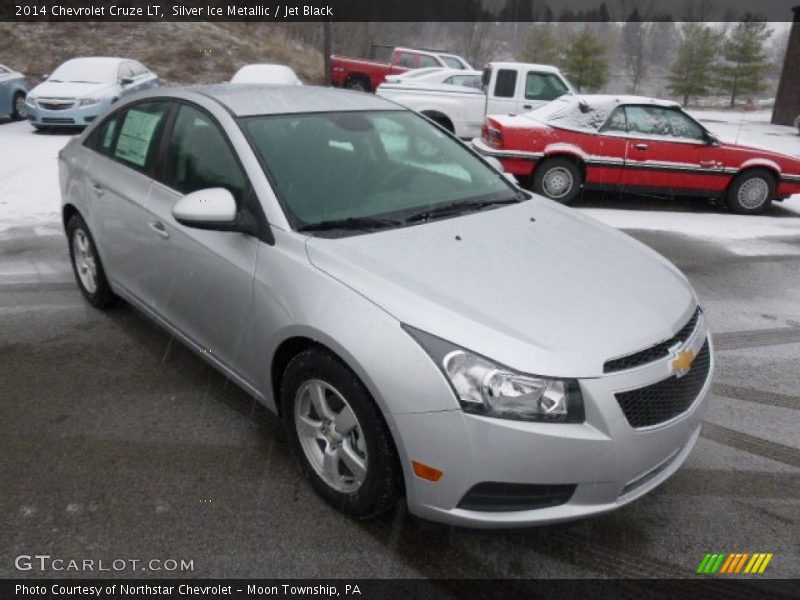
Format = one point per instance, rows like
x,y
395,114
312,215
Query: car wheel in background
x,y
751,191
559,179
19,108
338,435
358,84
87,266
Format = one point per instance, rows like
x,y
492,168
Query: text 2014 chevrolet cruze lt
x,y
421,325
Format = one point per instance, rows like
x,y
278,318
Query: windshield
x,y
368,165
86,70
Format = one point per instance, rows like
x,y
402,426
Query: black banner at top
x,y
391,10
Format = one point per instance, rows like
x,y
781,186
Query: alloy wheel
x,y
85,261
557,182
330,436
753,193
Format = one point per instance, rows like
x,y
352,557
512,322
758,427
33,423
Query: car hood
x,y
69,89
535,286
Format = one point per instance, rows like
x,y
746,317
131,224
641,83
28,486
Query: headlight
x,y
30,99
487,388
89,101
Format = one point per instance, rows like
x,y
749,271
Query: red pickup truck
x,y
366,75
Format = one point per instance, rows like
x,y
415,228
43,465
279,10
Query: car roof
x,y
244,100
514,65
99,59
614,99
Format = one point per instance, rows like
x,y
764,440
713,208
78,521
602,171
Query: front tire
x,y
19,110
558,179
86,265
338,436
751,192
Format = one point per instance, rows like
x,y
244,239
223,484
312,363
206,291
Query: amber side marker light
x,y
426,472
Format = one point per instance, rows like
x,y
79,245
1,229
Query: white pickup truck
x,y
507,87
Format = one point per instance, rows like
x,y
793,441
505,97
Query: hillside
x,y
179,52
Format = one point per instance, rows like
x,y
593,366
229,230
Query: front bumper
x,y
73,116
609,462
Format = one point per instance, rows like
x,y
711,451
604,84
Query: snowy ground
x,y
29,190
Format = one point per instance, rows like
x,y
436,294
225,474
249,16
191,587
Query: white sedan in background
x,y
267,74
81,89
437,76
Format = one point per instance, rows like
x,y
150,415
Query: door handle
x,y
98,189
159,228
527,106
641,146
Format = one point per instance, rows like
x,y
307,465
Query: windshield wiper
x,y
351,223
458,208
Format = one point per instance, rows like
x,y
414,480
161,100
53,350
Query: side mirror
x,y
212,208
711,139
125,80
45,77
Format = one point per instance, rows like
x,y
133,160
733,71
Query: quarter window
x,y
136,140
616,122
506,83
199,157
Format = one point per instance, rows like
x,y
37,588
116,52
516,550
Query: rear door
x,y
206,277
119,185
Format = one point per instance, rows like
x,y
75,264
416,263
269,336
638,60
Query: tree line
x,y
710,60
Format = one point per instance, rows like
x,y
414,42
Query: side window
x,y
406,60
543,86
126,70
472,81
199,157
138,69
138,133
662,122
506,83
3,70
427,61
102,137
616,122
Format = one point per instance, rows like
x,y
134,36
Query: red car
x,y
638,144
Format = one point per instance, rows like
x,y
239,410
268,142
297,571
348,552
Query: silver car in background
x,y
13,89
421,325
82,88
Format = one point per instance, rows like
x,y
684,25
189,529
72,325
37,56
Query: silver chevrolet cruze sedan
x,y
422,326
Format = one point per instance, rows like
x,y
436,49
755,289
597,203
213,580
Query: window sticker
x,y
136,135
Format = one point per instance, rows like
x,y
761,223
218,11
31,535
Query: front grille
x,y
58,120
667,398
56,104
652,353
492,496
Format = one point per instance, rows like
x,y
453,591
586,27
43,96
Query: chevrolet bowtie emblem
x,y
682,364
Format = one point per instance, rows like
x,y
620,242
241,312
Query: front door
x,y
206,287
668,151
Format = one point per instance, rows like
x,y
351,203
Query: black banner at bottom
x,y
389,589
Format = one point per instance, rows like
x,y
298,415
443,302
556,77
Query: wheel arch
x,y
67,212
358,75
440,118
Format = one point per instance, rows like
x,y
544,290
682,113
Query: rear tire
x,y
358,84
86,265
751,192
19,109
338,435
558,179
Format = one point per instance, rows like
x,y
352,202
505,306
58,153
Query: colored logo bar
x,y
734,563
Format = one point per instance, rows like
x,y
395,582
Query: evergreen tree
x,y
585,61
746,61
692,73
543,46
